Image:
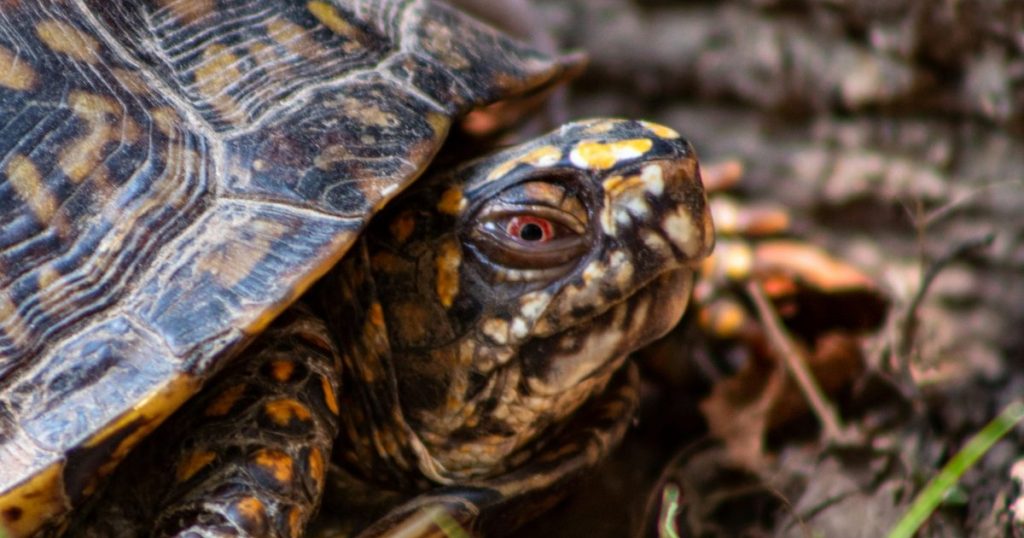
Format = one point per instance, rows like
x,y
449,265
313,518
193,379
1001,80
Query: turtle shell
x,y
173,174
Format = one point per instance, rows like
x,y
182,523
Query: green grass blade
x,y
933,493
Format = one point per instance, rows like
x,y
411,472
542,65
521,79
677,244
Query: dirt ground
x,y
890,131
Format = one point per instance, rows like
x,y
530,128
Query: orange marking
x,y
15,73
452,202
282,369
329,398
193,463
447,265
376,315
281,412
275,462
252,511
23,175
403,226
66,39
316,466
295,522
602,156
223,403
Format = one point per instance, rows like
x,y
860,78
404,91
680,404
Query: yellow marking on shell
x,y
543,156
330,399
222,404
281,412
24,177
47,276
275,462
66,39
329,17
15,73
219,71
679,227
317,469
188,11
130,80
282,369
166,120
452,202
234,260
367,113
447,263
604,155
660,130
25,508
193,463
86,153
291,36
402,226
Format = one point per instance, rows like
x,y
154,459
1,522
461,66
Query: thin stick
x,y
783,344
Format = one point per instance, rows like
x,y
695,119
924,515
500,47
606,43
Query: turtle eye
x,y
529,237
530,229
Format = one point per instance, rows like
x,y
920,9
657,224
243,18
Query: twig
x,y
783,344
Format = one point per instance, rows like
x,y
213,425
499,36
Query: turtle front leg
x,y
497,506
247,457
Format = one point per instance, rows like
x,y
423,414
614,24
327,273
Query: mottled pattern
x,y
173,174
247,457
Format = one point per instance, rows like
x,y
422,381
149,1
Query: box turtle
x,y
176,174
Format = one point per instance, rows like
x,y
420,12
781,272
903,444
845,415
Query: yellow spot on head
x,y
24,177
15,73
66,39
602,156
660,130
222,404
193,463
281,412
543,156
275,462
452,202
33,503
447,263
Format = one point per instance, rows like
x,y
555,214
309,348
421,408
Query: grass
x,y
936,490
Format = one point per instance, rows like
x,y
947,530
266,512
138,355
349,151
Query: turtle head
x,y
513,286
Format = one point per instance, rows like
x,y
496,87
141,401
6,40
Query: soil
x,y
891,131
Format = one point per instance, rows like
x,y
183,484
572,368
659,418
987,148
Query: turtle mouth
x,y
596,347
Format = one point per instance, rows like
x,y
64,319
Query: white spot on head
x,y
680,228
533,304
497,330
653,180
519,329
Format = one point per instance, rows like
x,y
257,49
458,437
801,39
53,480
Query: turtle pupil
x,y
531,232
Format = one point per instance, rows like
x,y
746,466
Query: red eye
x,y
530,229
